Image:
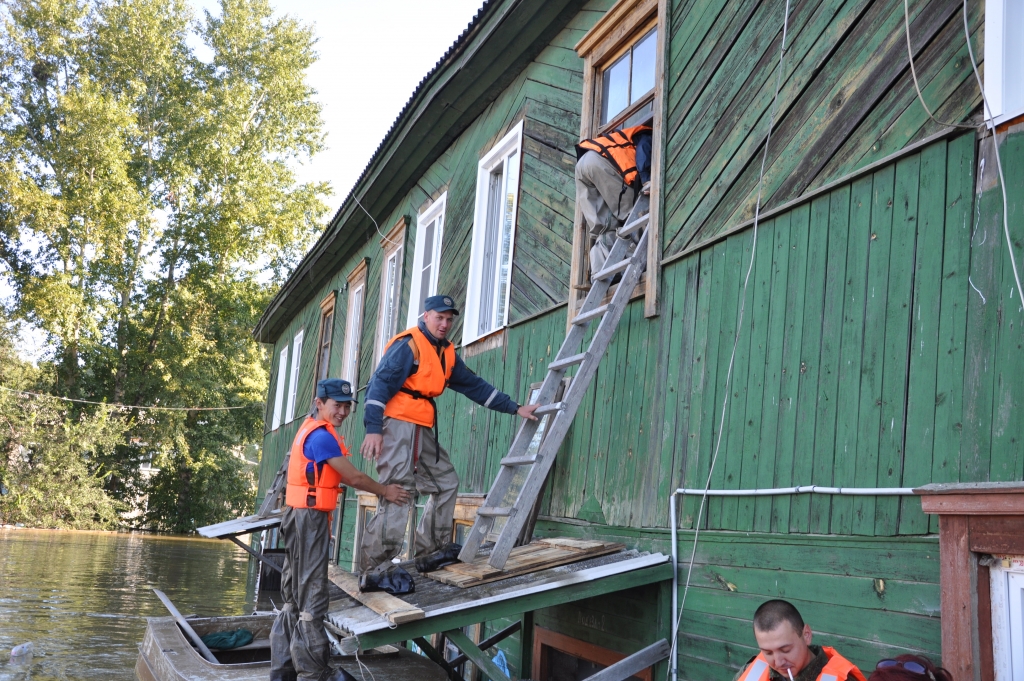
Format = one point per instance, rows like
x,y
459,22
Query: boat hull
x,y
166,655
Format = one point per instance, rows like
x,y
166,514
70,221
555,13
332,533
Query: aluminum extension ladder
x,y
522,475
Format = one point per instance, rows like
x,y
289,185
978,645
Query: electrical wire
x,y
116,405
736,338
382,234
999,163
913,72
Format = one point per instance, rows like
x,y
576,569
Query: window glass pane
x,y
355,316
428,265
508,217
294,384
615,89
643,66
325,348
642,114
282,376
389,299
491,244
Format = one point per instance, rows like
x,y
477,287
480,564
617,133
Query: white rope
x,y
736,339
116,405
913,72
999,163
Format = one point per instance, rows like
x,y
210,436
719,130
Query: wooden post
x,y
957,618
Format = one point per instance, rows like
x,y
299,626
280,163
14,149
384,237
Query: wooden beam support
x,y
637,662
438,658
258,556
478,657
489,642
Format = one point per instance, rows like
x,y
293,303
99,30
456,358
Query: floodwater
x,y
82,598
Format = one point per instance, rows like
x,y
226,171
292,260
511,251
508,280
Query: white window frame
x,y
511,143
434,212
282,377
1004,57
354,324
294,383
1005,582
394,251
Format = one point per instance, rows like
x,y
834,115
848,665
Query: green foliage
x,y
49,470
147,212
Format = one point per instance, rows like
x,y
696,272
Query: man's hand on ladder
x,y
526,411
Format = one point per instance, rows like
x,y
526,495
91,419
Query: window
x,y
627,86
1004,56
427,258
323,345
282,376
490,262
354,323
622,87
293,387
390,286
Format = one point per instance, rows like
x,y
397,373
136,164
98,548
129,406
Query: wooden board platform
x,y
538,555
394,609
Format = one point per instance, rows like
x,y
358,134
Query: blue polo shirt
x,y
320,446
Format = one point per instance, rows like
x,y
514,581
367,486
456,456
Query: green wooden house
x,y
882,329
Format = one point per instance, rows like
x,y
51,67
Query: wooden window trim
x,y
544,639
356,278
619,28
327,306
392,241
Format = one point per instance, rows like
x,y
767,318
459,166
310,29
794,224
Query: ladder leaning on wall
x,y
521,479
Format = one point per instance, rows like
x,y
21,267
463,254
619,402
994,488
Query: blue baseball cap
x,y
440,303
335,389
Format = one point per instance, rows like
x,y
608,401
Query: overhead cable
x,y
673,667
116,405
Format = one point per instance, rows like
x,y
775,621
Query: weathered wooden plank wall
x,y
846,98
888,595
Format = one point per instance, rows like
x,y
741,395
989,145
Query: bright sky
x,y
372,56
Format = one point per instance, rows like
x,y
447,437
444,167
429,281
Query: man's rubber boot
x,y
284,675
448,555
336,674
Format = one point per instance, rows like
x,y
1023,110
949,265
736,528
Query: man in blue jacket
x,y
401,431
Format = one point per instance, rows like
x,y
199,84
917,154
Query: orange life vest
x,y
316,489
837,669
414,401
619,147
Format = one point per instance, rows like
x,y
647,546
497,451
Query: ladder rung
x,y
612,270
587,316
633,226
493,512
568,361
518,460
548,408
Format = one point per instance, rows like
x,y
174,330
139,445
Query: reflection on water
x,y
82,597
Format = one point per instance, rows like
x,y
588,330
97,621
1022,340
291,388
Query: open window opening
x,y
622,87
294,381
494,227
393,244
322,366
427,257
354,323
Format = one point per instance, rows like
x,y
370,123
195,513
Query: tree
x,y
148,208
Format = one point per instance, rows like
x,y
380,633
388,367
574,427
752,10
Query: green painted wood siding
x,y
846,100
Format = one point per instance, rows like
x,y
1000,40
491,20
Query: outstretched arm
x,y
356,478
463,380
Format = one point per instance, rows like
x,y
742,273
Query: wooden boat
x,y
165,654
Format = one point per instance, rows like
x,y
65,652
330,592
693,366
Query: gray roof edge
x,y
365,182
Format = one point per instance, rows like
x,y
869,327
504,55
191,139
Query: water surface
x,y
82,598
